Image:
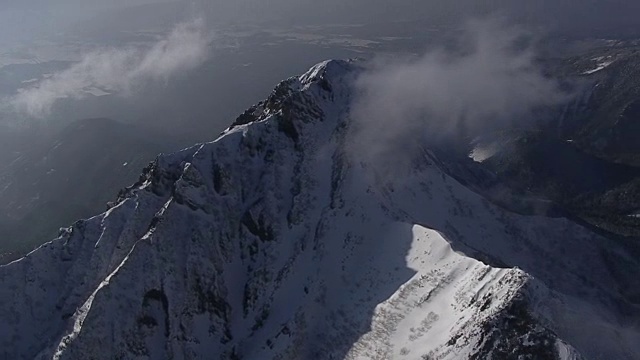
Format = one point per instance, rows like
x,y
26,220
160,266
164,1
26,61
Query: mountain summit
x,y
272,243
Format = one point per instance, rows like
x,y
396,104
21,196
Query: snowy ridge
x,y
268,243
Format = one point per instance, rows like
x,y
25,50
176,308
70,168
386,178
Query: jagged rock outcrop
x,y
271,243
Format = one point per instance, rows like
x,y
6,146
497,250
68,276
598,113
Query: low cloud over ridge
x,y
490,83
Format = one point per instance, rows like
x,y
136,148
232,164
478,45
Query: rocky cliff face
x,y
271,243
55,179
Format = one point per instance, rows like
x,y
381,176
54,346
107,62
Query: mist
x,y
75,70
121,61
123,71
490,82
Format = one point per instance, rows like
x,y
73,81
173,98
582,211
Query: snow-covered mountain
x,y
271,243
43,176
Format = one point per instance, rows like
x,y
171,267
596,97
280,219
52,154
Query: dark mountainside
x,y
587,160
52,180
274,242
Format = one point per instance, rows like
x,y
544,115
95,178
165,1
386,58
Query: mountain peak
x,y
330,71
267,243
312,88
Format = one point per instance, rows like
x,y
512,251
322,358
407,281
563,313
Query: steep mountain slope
x,y
586,159
44,183
272,243
606,121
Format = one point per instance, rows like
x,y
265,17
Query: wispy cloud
x,y
118,70
490,83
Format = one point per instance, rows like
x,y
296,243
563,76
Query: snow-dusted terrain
x,y
601,64
271,243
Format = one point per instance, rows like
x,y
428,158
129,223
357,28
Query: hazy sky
x,y
558,13
24,20
20,19
47,5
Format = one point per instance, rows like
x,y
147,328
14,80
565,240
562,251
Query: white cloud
x,y
491,84
119,70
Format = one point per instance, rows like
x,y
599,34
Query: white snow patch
x,y
602,63
483,152
440,302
